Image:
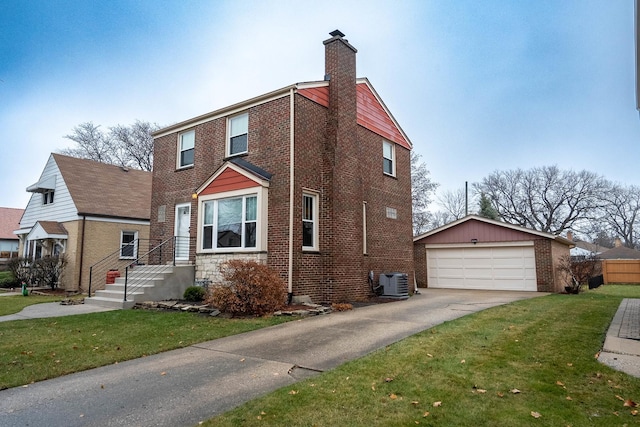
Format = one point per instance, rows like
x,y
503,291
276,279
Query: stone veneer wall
x,y
208,265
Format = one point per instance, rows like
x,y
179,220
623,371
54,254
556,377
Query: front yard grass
x,y
15,304
530,363
39,349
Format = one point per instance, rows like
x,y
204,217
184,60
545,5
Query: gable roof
x,y
511,227
47,230
9,221
106,190
372,113
235,174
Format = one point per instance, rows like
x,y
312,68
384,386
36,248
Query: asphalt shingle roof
x,y
106,190
9,221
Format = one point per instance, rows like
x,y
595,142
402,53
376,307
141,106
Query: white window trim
x,y
365,250
135,244
228,143
261,219
393,158
179,149
315,220
46,195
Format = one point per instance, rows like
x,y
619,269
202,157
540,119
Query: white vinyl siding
x,y
62,210
491,268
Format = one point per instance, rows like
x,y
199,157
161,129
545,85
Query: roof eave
x,y
231,109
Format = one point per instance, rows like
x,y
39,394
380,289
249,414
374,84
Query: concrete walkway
x,y
52,309
183,387
621,349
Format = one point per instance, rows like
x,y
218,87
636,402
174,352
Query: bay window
x,y
230,222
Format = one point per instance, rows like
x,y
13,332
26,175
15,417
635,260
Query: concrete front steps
x,y
145,283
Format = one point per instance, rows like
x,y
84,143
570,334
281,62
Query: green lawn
x,y
530,363
38,349
15,304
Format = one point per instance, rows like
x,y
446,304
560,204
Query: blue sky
x,y
477,86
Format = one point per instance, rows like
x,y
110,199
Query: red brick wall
x,y
545,273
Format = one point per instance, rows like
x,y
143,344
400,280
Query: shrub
x,y
194,293
7,280
44,271
251,288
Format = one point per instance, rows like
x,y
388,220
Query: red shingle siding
x,y
370,113
228,180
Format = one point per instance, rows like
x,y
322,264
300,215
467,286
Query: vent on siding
x,y
394,285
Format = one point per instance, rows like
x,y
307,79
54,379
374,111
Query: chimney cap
x,y
336,33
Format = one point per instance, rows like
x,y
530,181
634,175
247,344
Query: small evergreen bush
x,y
195,294
251,288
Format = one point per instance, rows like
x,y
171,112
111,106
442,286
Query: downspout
x,y
84,221
291,196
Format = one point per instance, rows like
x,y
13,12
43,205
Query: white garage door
x,y
503,268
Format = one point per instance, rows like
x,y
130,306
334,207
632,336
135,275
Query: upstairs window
x,y
186,147
238,134
47,197
388,158
310,221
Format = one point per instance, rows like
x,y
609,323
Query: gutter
x,y
291,194
84,221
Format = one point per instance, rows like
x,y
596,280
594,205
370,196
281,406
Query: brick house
x,y
480,253
86,210
314,179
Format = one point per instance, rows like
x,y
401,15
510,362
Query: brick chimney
x,y
343,261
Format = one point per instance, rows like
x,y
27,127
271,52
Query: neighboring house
x,y
619,252
314,179
9,221
480,253
85,210
583,249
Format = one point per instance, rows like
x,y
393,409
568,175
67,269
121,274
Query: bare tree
x,y
454,203
135,143
92,143
422,189
621,213
130,146
546,198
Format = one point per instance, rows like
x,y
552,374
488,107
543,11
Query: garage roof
x,y
474,227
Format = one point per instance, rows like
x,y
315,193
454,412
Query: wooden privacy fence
x,y
621,270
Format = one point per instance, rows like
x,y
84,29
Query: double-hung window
x,y
186,148
238,134
230,222
47,197
310,221
128,244
388,158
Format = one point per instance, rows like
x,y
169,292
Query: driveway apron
x,y
186,386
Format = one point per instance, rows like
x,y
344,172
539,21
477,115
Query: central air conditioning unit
x,y
394,285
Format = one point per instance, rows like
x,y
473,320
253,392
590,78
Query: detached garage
x,y
480,253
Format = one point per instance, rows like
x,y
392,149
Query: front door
x,y
183,222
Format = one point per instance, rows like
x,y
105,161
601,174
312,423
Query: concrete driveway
x,y
183,387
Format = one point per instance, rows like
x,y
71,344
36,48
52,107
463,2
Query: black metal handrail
x,y
155,261
114,262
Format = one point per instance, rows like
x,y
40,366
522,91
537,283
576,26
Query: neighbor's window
x,y
310,221
392,213
230,223
238,131
129,244
187,142
388,158
47,197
